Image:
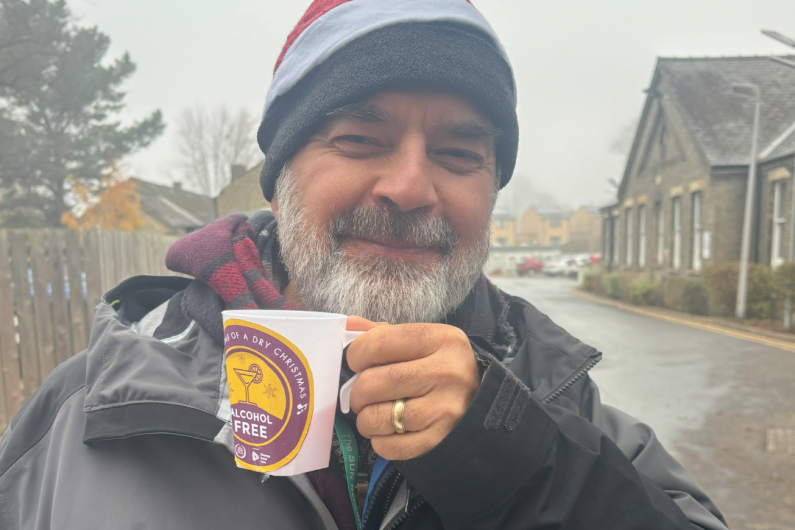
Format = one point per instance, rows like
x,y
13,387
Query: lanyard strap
x,y
350,457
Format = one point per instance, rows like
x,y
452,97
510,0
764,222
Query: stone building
x,y
243,194
681,200
577,231
172,210
503,228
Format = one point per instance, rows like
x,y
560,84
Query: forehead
x,y
431,107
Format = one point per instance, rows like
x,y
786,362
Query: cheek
x,y
469,211
329,187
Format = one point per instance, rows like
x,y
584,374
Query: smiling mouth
x,y
390,247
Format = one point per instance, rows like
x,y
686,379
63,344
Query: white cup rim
x,y
280,314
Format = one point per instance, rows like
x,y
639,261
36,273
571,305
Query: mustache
x,y
390,224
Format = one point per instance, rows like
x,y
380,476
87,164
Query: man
x,y
388,130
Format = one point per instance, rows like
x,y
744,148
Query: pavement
x,y
710,396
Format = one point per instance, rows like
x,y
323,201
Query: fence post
x,y
11,387
24,306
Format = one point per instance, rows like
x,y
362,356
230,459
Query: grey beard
x,y
381,289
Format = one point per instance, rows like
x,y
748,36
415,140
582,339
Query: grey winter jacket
x,y
134,433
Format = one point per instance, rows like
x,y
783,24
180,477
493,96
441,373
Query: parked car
x,y
529,267
567,267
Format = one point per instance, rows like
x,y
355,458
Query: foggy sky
x,y
581,67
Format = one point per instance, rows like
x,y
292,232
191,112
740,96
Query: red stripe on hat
x,y
315,11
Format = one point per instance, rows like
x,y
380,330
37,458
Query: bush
x,y
762,297
612,285
695,298
784,279
671,293
721,283
641,291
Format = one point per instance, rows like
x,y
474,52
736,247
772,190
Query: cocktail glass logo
x,y
270,392
252,375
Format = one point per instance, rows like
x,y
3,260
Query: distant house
x,y
243,194
681,200
551,226
171,209
503,228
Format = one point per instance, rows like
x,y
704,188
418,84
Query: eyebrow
x,y
367,112
461,129
469,129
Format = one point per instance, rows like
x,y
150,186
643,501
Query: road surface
x,y
709,397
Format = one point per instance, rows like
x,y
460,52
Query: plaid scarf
x,y
236,264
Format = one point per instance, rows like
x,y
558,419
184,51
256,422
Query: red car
x,y
529,267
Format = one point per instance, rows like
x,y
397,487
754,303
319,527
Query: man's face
x,y
384,212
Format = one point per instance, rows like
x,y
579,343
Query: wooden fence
x,y
50,282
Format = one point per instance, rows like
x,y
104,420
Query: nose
x,y
406,182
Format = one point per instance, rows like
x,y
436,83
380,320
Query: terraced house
x,y
681,200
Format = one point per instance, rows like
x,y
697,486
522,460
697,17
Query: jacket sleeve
x,y
513,462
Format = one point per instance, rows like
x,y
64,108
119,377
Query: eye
x,y
352,138
459,160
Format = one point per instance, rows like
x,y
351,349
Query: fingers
x,y
419,414
396,447
403,342
356,323
392,381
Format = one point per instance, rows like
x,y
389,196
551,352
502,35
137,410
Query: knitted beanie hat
x,y
342,51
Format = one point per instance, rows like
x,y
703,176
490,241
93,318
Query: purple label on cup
x,y
271,394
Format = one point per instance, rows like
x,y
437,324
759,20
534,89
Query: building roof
x,y
722,120
551,212
174,206
501,213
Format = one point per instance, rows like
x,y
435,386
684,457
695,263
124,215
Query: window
x,y
554,241
615,238
642,235
698,231
499,223
676,204
501,242
608,233
660,234
629,235
779,211
554,223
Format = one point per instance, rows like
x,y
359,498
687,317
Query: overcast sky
x,y
581,67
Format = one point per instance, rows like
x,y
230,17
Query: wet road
x,y
709,397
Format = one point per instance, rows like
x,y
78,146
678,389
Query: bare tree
x,y
211,142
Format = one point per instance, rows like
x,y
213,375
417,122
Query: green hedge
x,y
763,297
695,299
612,285
641,291
714,292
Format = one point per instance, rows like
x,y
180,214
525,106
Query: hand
x,y
430,366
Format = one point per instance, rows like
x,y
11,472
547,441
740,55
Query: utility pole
x,y
745,250
787,303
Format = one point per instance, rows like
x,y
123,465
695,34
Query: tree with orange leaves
x,y
115,207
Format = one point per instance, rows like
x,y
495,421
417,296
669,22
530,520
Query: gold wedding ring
x,y
398,406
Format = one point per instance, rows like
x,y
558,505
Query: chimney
x,y
177,185
237,171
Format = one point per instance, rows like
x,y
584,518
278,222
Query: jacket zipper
x,y
579,374
377,492
408,511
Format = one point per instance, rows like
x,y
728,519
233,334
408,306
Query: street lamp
x,y
786,62
745,249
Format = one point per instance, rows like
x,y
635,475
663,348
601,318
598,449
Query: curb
x,y
729,331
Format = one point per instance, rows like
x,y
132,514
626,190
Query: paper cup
x,y
283,369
